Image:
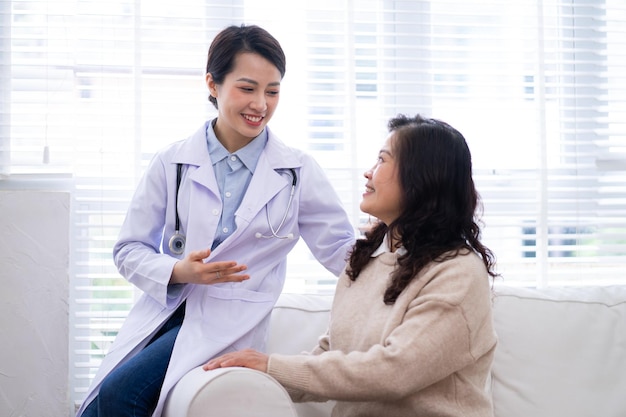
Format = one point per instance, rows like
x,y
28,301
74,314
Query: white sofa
x,y
561,352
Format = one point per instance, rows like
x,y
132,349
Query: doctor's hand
x,y
193,270
247,358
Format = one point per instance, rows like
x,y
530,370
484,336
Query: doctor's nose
x,y
259,103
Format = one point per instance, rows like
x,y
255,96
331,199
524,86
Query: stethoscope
x,y
177,241
258,235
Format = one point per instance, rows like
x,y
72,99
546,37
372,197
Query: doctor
x,y
208,231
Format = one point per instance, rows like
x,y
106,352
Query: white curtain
x,y
91,89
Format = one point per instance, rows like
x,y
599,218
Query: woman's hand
x,y
247,358
193,270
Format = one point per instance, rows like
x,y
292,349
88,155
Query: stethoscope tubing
x,y
179,170
294,181
177,242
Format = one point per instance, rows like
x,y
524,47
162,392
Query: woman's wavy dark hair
x,y
234,40
439,217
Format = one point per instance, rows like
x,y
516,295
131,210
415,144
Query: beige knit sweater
x,y
427,355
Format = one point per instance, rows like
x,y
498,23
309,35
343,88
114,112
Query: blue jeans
x,y
132,390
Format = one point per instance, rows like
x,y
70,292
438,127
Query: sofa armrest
x,y
228,392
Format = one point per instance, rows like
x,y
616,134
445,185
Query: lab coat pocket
x,y
234,292
227,314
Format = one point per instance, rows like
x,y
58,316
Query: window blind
x,y
90,90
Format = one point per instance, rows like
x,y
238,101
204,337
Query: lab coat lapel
x,y
199,191
204,176
266,181
195,154
205,206
264,185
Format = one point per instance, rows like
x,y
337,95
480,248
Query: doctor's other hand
x,y
247,358
193,270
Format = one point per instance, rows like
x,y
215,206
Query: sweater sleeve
x,y
435,338
298,395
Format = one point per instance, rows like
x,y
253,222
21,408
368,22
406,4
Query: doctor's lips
x,y
253,119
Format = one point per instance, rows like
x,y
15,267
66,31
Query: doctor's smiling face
x,y
246,99
245,66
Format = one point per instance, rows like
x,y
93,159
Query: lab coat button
x,y
216,212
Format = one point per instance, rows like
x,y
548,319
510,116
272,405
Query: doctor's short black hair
x,y
234,40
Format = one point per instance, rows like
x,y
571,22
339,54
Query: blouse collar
x,y
385,247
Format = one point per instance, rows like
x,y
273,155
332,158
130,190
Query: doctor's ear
x,y
211,84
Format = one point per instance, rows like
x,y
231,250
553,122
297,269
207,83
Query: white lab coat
x,y
228,316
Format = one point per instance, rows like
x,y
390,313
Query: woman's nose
x,y
259,103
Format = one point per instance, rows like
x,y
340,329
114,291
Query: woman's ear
x,y
210,83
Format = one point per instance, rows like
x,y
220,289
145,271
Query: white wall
x,y
34,277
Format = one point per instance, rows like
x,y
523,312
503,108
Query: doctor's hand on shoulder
x,y
193,270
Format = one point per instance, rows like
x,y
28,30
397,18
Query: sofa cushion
x,y
561,352
297,322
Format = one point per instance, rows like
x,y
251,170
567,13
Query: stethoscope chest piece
x,y
177,244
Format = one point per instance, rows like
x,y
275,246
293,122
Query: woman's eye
x,y
273,93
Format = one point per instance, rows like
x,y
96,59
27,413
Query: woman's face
x,y
246,99
383,193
